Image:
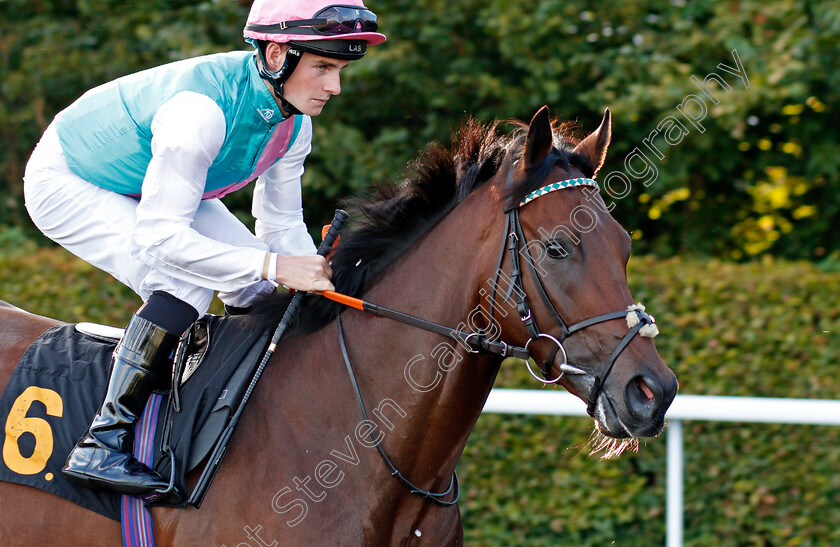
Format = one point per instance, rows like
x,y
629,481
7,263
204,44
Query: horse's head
x,y
564,269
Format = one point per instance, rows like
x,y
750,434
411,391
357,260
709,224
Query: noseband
x,y
638,321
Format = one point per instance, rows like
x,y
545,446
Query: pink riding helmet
x,y
276,14
340,31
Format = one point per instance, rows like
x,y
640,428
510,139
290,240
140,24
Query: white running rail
x,y
684,407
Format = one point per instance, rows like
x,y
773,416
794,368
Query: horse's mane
x,y
384,226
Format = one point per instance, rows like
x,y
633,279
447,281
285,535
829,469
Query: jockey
x,y
129,179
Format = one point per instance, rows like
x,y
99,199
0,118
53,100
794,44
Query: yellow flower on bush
x,y
776,172
804,211
778,197
766,223
680,194
792,148
663,203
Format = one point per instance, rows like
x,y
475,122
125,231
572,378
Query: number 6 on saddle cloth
x,y
62,377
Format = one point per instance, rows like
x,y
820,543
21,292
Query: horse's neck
x,y
422,406
436,382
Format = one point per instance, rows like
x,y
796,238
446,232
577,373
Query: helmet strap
x,y
278,78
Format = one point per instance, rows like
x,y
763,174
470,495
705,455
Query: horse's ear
x,y
539,141
594,147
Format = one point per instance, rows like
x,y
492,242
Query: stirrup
x,y
172,495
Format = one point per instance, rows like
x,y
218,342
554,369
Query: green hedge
x,y
769,329
759,329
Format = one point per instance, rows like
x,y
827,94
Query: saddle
x,y
60,381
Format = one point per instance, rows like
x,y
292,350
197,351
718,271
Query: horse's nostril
x,y
643,387
643,396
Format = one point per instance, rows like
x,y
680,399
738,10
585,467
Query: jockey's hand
x,y
309,273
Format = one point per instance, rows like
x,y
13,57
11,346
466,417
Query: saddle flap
x,y
205,438
210,395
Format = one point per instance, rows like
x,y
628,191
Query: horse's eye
x,y
555,249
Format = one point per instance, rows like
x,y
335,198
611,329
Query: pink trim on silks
x,y
225,190
277,145
137,528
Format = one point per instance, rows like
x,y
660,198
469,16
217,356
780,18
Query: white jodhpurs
x,y
96,225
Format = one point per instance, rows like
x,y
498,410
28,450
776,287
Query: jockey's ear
x,y
594,147
539,141
275,55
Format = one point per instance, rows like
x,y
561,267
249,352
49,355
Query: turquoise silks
x,y
106,134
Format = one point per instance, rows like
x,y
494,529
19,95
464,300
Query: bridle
x,y
638,321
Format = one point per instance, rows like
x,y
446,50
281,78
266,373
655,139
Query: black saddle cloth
x,y
61,380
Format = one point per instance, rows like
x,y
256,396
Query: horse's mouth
x,y
611,423
611,437
609,420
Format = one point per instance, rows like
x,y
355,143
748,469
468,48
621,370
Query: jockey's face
x,y
313,82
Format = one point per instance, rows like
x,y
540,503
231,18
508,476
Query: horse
x,y
451,244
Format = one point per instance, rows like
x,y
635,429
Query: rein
x,y
638,321
436,497
476,340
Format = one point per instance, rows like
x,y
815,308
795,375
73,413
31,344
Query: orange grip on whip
x,y
344,299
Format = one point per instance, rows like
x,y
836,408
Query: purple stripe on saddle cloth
x,y
277,146
136,519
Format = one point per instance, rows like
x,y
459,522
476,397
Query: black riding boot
x,y
102,459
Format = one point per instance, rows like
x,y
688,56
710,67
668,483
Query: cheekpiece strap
x,y
548,188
